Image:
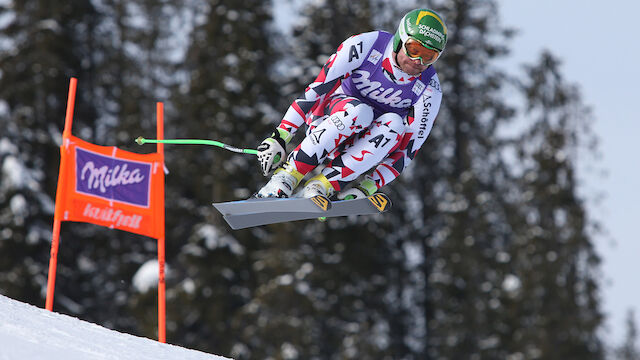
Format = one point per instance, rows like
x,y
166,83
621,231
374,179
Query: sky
x,y
31,333
600,52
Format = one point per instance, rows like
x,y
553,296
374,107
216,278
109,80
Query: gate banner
x,y
106,186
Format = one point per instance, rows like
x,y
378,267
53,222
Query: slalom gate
x,y
106,186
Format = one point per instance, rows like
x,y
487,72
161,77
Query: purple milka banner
x,y
113,179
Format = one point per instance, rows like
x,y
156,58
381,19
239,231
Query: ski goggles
x,y
415,50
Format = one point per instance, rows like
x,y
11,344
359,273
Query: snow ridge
x,y
28,333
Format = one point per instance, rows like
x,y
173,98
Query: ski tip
x,y
236,224
380,201
322,202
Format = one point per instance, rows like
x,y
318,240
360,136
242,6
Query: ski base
x,y
255,212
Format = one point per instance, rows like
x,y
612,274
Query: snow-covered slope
x,y
28,333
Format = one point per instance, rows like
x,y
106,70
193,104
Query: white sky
x,y
598,44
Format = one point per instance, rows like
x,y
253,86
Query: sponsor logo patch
x,y
375,56
379,201
315,136
337,122
112,179
321,201
373,90
418,87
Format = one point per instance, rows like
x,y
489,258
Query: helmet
x,y
424,25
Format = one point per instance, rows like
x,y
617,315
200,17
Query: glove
x,y
272,151
366,188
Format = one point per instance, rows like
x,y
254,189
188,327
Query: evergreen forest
x,y
487,253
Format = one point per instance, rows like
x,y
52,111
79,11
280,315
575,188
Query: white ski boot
x,y
317,185
282,183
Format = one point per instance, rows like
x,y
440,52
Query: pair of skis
x,y
255,212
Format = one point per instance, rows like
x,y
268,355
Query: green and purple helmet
x,y
424,25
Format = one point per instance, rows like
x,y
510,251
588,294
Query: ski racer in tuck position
x,y
371,107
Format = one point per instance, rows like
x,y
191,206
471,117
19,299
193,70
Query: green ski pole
x,y
140,140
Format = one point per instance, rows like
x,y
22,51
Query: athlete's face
x,y
408,65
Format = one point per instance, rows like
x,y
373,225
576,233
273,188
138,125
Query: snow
x,y
147,276
16,175
49,24
6,147
29,333
511,283
214,239
18,206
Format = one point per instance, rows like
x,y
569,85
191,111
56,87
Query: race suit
x,y
361,112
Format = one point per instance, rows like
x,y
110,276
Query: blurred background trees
x,y
487,253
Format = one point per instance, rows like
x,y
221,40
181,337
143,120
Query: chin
x,y
414,71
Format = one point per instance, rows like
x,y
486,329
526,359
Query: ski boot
x,y
317,185
282,183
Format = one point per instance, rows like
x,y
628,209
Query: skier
x,y
372,105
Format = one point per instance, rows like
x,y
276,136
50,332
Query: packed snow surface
x,y
29,333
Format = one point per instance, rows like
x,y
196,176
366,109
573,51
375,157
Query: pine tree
x,y
226,95
454,210
553,302
313,41
326,294
41,48
629,350
124,82
467,219
49,43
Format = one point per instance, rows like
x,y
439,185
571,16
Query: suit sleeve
x,y
349,56
418,125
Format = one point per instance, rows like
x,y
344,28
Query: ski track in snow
x,y
29,333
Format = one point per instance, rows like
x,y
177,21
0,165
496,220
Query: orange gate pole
x,y
57,217
162,321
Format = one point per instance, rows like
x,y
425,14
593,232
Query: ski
x,y
318,204
284,210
